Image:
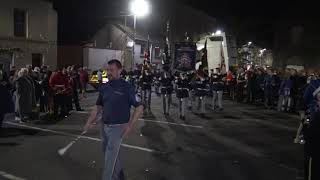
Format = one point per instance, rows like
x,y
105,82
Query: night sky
x,y
248,20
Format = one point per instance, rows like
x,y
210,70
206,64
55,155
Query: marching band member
x,y
182,93
201,90
146,82
216,81
166,91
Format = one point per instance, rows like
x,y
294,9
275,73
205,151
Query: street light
x,y
139,8
249,43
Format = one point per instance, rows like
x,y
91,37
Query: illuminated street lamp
x,y
138,8
249,43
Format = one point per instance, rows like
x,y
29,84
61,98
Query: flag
x,y
222,61
204,57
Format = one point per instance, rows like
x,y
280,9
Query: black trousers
x,y
68,102
311,167
1,119
75,97
240,91
59,103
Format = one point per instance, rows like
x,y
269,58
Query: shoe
x,y
183,118
80,109
220,109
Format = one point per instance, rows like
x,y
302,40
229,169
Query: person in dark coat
x,y
23,97
251,86
216,81
75,85
46,93
268,90
166,91
182,93
312,134
260,85
6,103
146,83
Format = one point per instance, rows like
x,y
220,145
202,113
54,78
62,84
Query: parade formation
x,y
168,102
194,90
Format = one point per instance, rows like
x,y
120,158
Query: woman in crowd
x,y
23,97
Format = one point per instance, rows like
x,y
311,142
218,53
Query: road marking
x,y
83,137
10,176
80,112
171,123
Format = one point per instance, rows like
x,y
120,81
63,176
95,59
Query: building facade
x,y
28,33
115,36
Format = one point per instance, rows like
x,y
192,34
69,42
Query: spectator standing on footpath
x,y
46,93
114,102
58,85
100,78
6,104
23,97
75,83
268,90
84,79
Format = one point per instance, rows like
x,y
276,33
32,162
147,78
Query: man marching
x,y
201,90
114,103
182,94
166,91
216,81
146,82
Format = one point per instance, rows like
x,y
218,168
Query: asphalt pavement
x,y
242,142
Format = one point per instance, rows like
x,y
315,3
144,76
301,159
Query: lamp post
x,y
138,8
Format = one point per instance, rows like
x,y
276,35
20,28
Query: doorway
x,y
36,60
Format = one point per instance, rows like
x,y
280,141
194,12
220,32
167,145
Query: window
x,y
20,23
36,60
157,52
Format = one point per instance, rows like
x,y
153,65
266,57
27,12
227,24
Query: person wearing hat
x,y
216,81
166,91
312,134
201,90
182,93
146,83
